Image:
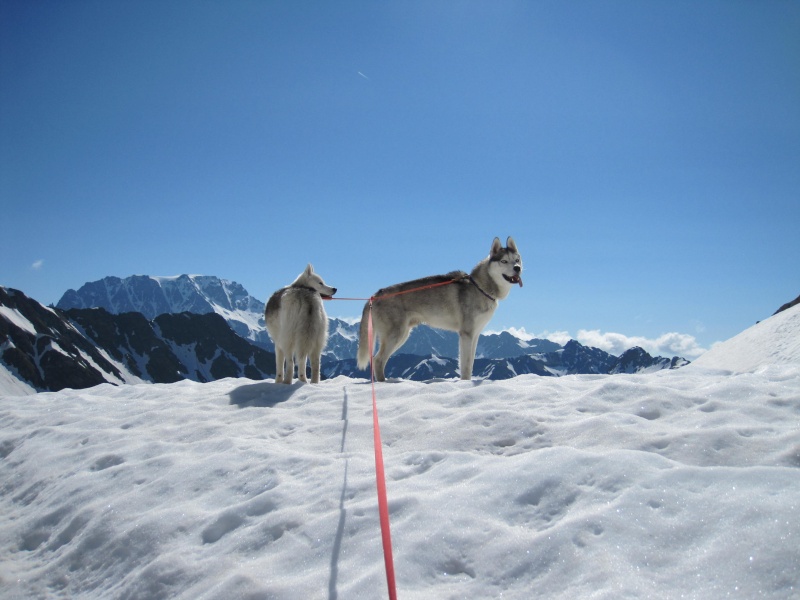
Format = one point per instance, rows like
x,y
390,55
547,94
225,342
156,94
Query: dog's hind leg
x,y
379,362
288,370
389,344
302,361
279,365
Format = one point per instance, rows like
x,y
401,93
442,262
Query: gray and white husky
x,y
465,305
298,325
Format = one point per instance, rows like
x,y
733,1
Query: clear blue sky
x,y
644,155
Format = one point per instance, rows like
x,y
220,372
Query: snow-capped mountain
x,y
507,345
154,296
342,340
433,354
424,341
636,360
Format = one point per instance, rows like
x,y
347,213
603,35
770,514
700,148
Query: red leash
x,y
380,476
382,296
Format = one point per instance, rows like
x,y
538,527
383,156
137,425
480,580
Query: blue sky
x,y
644,155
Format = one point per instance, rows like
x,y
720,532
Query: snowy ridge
x,y
680,483
745,352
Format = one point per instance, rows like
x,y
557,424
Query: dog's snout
x,y
334,291
517,268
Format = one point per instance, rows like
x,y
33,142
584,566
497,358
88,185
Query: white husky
x,y
456,301
298,325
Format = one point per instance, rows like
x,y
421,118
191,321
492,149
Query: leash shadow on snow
x,y
333,593
264,394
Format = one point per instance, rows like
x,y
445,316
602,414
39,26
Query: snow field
x,y
675,484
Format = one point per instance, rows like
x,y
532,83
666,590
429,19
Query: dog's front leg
x,y
315,367
467,345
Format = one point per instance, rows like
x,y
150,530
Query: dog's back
x,y
296,321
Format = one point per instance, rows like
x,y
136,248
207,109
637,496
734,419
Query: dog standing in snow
x,y
457,301
298,325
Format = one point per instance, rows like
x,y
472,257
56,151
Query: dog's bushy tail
x,y
364,349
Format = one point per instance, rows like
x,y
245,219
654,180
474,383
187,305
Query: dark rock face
x,y
172,347
788,305
43,349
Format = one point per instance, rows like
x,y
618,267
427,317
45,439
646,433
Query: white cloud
x,y
37,264
668,344
559,337
515,331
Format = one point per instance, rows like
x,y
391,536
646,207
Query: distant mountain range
x,y
204,294
202,328
154,296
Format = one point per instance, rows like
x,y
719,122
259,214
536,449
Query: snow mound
x,y
772,342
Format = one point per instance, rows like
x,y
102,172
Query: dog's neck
x,y
481,290
486,283
307,287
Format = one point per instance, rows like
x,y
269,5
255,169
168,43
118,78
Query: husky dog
x,y
459,302
298,325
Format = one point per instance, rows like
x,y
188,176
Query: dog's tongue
x,y
519,280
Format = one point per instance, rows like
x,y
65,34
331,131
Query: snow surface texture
x,y
675,484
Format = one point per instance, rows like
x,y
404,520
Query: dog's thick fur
x,y
298,325
465,306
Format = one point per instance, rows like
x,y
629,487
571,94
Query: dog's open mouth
x,y
514,279
324,297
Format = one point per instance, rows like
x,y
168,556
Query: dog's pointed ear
x,y
497,247
310,269
511,245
